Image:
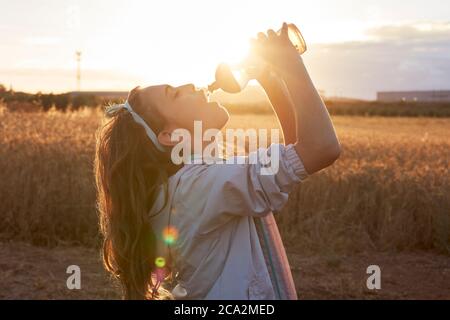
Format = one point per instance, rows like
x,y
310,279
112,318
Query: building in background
x,y
414,96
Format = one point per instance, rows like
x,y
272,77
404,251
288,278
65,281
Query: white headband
x,y
150,133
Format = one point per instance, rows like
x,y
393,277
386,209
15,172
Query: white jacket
x,y
217,253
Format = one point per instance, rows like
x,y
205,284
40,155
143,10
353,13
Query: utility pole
x,y
78,57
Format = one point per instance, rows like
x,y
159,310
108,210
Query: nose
x,y
187,88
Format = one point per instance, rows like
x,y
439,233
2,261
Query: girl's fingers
x,y
271,33
262,36
284,29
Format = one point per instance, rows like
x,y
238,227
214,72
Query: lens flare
x,y
160,262
170,235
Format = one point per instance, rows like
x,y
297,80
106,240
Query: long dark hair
x,y
128,171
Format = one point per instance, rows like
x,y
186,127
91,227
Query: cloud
x,y
395,57
424,32
414,56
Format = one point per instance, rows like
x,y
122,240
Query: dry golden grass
x,y
389,190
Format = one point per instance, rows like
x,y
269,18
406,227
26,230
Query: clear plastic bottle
x,y
234,78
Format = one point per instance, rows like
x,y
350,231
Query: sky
x,y
355,48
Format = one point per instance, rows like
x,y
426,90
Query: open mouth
x,y
204,93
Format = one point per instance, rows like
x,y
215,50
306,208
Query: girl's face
x,y
181,106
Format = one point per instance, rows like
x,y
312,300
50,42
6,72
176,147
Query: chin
x,y
224,115
217,117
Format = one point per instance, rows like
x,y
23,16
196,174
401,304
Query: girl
x,y
206,231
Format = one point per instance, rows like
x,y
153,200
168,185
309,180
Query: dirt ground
x,y
28,272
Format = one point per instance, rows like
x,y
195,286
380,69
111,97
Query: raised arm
x,y
316,142
281,102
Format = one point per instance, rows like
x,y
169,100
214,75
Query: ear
x,y
165,138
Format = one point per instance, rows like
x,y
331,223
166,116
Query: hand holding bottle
x,y
269,54
279,51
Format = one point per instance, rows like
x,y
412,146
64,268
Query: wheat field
x,y
389,191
